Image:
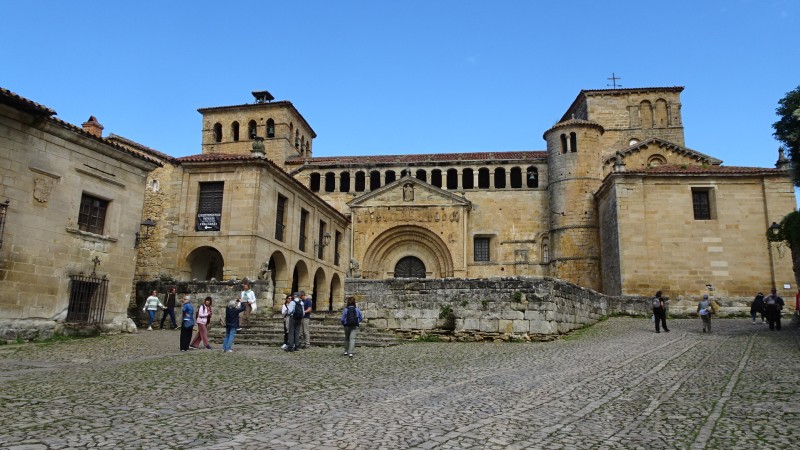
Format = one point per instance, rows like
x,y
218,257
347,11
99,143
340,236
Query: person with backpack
x,y
773,305
757,307
296,313
351,317
705,309
660,313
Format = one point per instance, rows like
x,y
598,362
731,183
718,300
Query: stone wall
x,y
495,308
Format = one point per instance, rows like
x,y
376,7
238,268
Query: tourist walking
x,y
151,305
248,297
187,322
232,312
285,316
305,332
203,319
169,309
757,307
773,305
351,317
705,309
296,313
660,313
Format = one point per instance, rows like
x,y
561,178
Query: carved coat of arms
x,y
42,187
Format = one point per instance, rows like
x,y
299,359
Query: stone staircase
x,y
326,330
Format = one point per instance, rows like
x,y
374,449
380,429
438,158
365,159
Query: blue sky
x,y
394,77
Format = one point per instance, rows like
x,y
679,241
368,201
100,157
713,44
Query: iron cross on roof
x,y
614,79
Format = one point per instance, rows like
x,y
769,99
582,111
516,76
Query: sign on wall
x,y
207,222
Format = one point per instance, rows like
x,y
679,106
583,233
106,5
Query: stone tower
x,y
232,129
575,169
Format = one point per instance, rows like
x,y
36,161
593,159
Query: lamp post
x,y
144,232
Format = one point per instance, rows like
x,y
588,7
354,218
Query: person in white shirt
x,y
151,305
248,298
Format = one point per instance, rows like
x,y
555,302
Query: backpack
x,y
656,302
351,317
299,311
771,302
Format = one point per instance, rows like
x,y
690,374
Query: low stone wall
x,y
479,309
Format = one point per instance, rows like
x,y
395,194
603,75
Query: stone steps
x,y
324,327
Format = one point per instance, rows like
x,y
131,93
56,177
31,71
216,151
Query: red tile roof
x,y
123,141
674,169
23,103
419,158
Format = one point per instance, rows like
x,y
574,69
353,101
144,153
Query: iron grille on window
x,y
409,267
87,299
481,249
211,198
701,205
92,214
279,217
336,248
320,246
3,211
303,219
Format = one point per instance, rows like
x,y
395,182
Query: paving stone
x,y
615,385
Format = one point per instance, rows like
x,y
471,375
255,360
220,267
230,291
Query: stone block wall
x,y
495,308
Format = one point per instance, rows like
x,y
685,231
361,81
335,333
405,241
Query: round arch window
x,y
409,267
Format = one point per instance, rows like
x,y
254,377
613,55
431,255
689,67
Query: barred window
x,y
303,221
701,203
92,214
481,249
280,212
209,206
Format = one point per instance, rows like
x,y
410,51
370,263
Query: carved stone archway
x,y
389,247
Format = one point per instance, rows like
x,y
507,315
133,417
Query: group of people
x,y
296,313
769,307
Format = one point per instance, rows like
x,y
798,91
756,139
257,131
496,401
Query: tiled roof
x,y
211,157
138,146
662,88
573,122
23,103
674,169
419,158
669,145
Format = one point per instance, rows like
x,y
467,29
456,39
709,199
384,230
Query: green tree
x,y
787,128
788,233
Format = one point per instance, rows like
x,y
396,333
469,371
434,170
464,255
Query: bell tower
x,y
283,131
575,173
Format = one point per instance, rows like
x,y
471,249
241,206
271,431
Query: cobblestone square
x,y
615,385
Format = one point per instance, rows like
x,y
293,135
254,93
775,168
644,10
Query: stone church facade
x,y
615,202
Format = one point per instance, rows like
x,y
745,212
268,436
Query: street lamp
x,y
144,232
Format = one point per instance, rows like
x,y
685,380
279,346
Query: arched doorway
x,y
394,244
409,267
205,263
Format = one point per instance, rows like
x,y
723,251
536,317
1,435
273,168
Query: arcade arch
x,y
205,263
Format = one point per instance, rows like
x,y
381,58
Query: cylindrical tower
x,y
574,164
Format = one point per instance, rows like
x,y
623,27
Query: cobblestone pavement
x,y
615,385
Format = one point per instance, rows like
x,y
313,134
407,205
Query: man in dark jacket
x,y
773,305
169,309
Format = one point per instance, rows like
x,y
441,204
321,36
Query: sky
x,y
410,76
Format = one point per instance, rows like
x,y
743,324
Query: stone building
x,y
72,205
615,202
232,213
